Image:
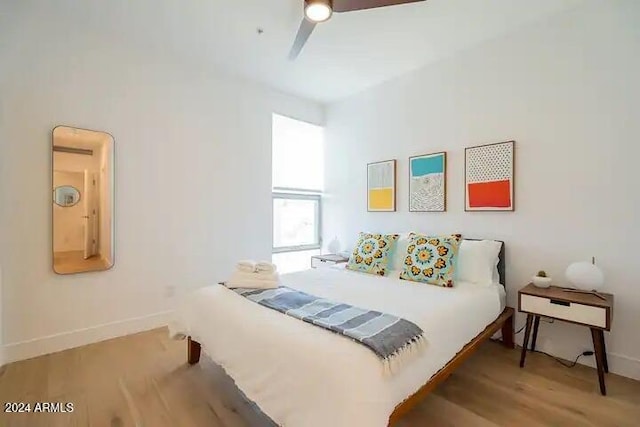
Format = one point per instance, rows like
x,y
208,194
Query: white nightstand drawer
x,y
571,311
321,263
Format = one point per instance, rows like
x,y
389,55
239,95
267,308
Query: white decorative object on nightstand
x,y
585,275
541,280
334,245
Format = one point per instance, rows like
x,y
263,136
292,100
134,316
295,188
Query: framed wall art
x,y
489,177
428,183
381,186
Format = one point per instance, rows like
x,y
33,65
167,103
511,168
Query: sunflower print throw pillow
x,y
371,253
431,259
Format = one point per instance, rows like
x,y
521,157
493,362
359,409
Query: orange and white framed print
x,y
381,186
489,177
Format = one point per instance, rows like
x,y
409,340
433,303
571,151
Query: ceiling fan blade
x,y
350,5
306,27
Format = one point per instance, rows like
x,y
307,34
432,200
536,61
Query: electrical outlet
x,y
169,291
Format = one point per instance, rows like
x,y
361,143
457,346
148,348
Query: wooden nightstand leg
x,y
536,325
604,352
598,338
525,342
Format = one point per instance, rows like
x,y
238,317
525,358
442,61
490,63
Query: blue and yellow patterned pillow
x,y
371,253
431,259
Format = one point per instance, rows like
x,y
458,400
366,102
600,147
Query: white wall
x,y
192,180
567,91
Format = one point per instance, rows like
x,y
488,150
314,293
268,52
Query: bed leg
x,y
507,330
193,351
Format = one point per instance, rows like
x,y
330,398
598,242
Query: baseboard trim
x,y
624,365
63,341
619,364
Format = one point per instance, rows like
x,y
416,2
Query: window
x,y
298,181
296,222
298,155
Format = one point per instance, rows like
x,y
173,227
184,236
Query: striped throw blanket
x,y
392,339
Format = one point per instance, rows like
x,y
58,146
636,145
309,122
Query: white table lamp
x,y
334,245
585,275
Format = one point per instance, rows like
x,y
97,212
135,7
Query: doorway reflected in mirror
x,y
82,202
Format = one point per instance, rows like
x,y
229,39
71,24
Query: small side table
x,y
321,261
583,309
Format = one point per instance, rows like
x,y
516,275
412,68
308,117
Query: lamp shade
x,y
585,276
334,245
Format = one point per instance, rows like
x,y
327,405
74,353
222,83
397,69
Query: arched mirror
x,y
66,196
82,207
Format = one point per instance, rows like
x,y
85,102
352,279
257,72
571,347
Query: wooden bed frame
x,y
504,322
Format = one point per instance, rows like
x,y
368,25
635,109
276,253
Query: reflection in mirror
x,y
66,196
82,200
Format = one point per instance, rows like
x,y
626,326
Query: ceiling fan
x,y
317,11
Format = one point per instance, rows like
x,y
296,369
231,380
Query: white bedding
x,y
302,375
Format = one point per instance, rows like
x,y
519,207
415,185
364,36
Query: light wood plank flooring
x,y
70,262
143,380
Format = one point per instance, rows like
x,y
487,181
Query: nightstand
x,y
579,308
322,261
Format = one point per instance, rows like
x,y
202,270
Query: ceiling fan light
x,y
318,10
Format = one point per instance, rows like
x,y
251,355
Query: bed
x,y
302,375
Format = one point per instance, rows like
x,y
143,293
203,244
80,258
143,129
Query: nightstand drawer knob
x,y
558,302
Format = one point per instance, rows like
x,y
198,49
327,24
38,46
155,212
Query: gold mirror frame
x,y
83,236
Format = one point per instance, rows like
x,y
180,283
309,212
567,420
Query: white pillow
x,y
478,261
399,252
496,274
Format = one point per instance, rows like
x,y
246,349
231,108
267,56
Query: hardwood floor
x,y
144,380
73,262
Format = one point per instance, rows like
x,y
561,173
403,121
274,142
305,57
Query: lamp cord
x,y
557,359
523,326
562,362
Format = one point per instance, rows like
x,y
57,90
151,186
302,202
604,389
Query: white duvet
x,y
302,375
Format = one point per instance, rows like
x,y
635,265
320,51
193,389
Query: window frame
x,y
298,194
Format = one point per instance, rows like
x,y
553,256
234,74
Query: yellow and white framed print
x,y
381,186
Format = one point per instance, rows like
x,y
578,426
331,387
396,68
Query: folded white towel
x,y
264,267
248,266
252,280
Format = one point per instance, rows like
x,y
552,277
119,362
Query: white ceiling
x,y
345,55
